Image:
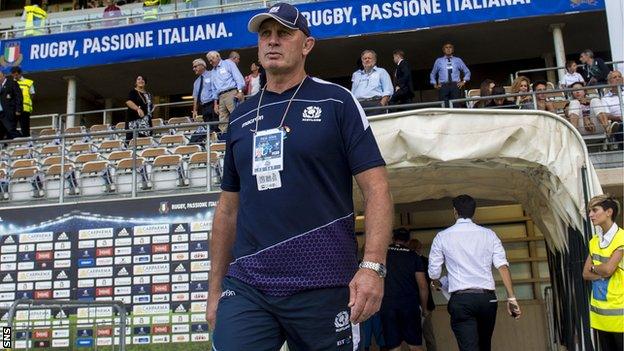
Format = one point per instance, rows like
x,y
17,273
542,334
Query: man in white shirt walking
x,y
469,251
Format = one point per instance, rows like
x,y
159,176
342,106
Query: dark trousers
x,y
473,316
610,341
449,91
8,126
24,122
209,115
372,103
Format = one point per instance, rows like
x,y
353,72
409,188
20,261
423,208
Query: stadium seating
x,y
53,180
25,183
123,175
197,169
167,172
96,178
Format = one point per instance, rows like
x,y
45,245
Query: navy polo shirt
x,y
400,287
299,236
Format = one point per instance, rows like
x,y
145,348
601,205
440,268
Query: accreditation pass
x,y
268,158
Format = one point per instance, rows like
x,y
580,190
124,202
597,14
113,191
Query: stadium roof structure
x,y
537,159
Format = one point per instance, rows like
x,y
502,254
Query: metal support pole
x,y
620,98
560,55
71,100
534,96
208,163
62,180
134,161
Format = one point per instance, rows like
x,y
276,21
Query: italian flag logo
x,y
12,55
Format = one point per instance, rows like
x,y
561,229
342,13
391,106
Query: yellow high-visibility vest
x,y
35,20
25,85
150,10
607,298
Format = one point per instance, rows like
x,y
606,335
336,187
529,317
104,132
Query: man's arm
x,y
607,269
423,291
464,69
366,288
222,241
512,303
386,87
433,74
436,259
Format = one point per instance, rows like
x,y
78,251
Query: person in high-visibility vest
x,y
150,10
35,20
605,269
28,90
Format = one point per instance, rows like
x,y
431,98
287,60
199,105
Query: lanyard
x,y
285,112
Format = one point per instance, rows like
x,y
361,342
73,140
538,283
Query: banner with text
x,y
329,19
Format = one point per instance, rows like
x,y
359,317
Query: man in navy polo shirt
x,y
406,294
283,252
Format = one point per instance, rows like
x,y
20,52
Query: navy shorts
x,y
310,320
401,324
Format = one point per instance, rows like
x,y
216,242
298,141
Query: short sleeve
x,y
359,142
419,266
133,95
231,179
498,252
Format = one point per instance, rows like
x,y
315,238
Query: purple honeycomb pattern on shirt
x,y
324,257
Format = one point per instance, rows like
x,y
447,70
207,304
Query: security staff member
x,y
35,20
405,295
449,75
283,251
28,90
469,251
204,94
150,10
605,269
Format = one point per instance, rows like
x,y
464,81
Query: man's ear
x,y
308,44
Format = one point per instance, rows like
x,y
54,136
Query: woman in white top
x,y
252,81
571,76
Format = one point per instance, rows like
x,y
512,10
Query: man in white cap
x,y
283,251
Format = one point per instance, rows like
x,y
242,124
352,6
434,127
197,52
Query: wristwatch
x,y
379,268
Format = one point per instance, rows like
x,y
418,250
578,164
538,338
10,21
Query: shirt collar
x,y
605,238
363,71
463,220
398,63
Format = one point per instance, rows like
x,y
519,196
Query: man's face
x,y
15,75
236,60
213,60
616,78
198,68
368,60
540,89
448,49
584,58
281,49
396,59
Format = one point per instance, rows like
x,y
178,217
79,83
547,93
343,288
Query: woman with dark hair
x,y
485,90
140,108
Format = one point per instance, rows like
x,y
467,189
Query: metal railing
x,y
548,69
68,25
28,304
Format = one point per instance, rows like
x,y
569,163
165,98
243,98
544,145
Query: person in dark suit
x,y
403,86
10,106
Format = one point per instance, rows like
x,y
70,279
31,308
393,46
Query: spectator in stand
x,y
234,57
405,295
449,74
583,110
204,94
522,84
500,102
612,102
571,76
11,107
111,11
485,90
428,334
596,71
403,85
543,104
229,83
371,85
252,81
140,107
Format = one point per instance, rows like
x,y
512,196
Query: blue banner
x,y
197,35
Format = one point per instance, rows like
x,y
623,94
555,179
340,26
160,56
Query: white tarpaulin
x,y
533,158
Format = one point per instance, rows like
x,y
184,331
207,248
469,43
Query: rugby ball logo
x,y
312,113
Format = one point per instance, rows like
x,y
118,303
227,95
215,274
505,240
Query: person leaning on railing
x,y
612,102
605,269
583,109
34,20
542,103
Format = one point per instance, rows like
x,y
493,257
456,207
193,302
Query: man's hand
x,y
513,308
461,84
436,285
365,293
211,308
240,96
194,114
436,86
